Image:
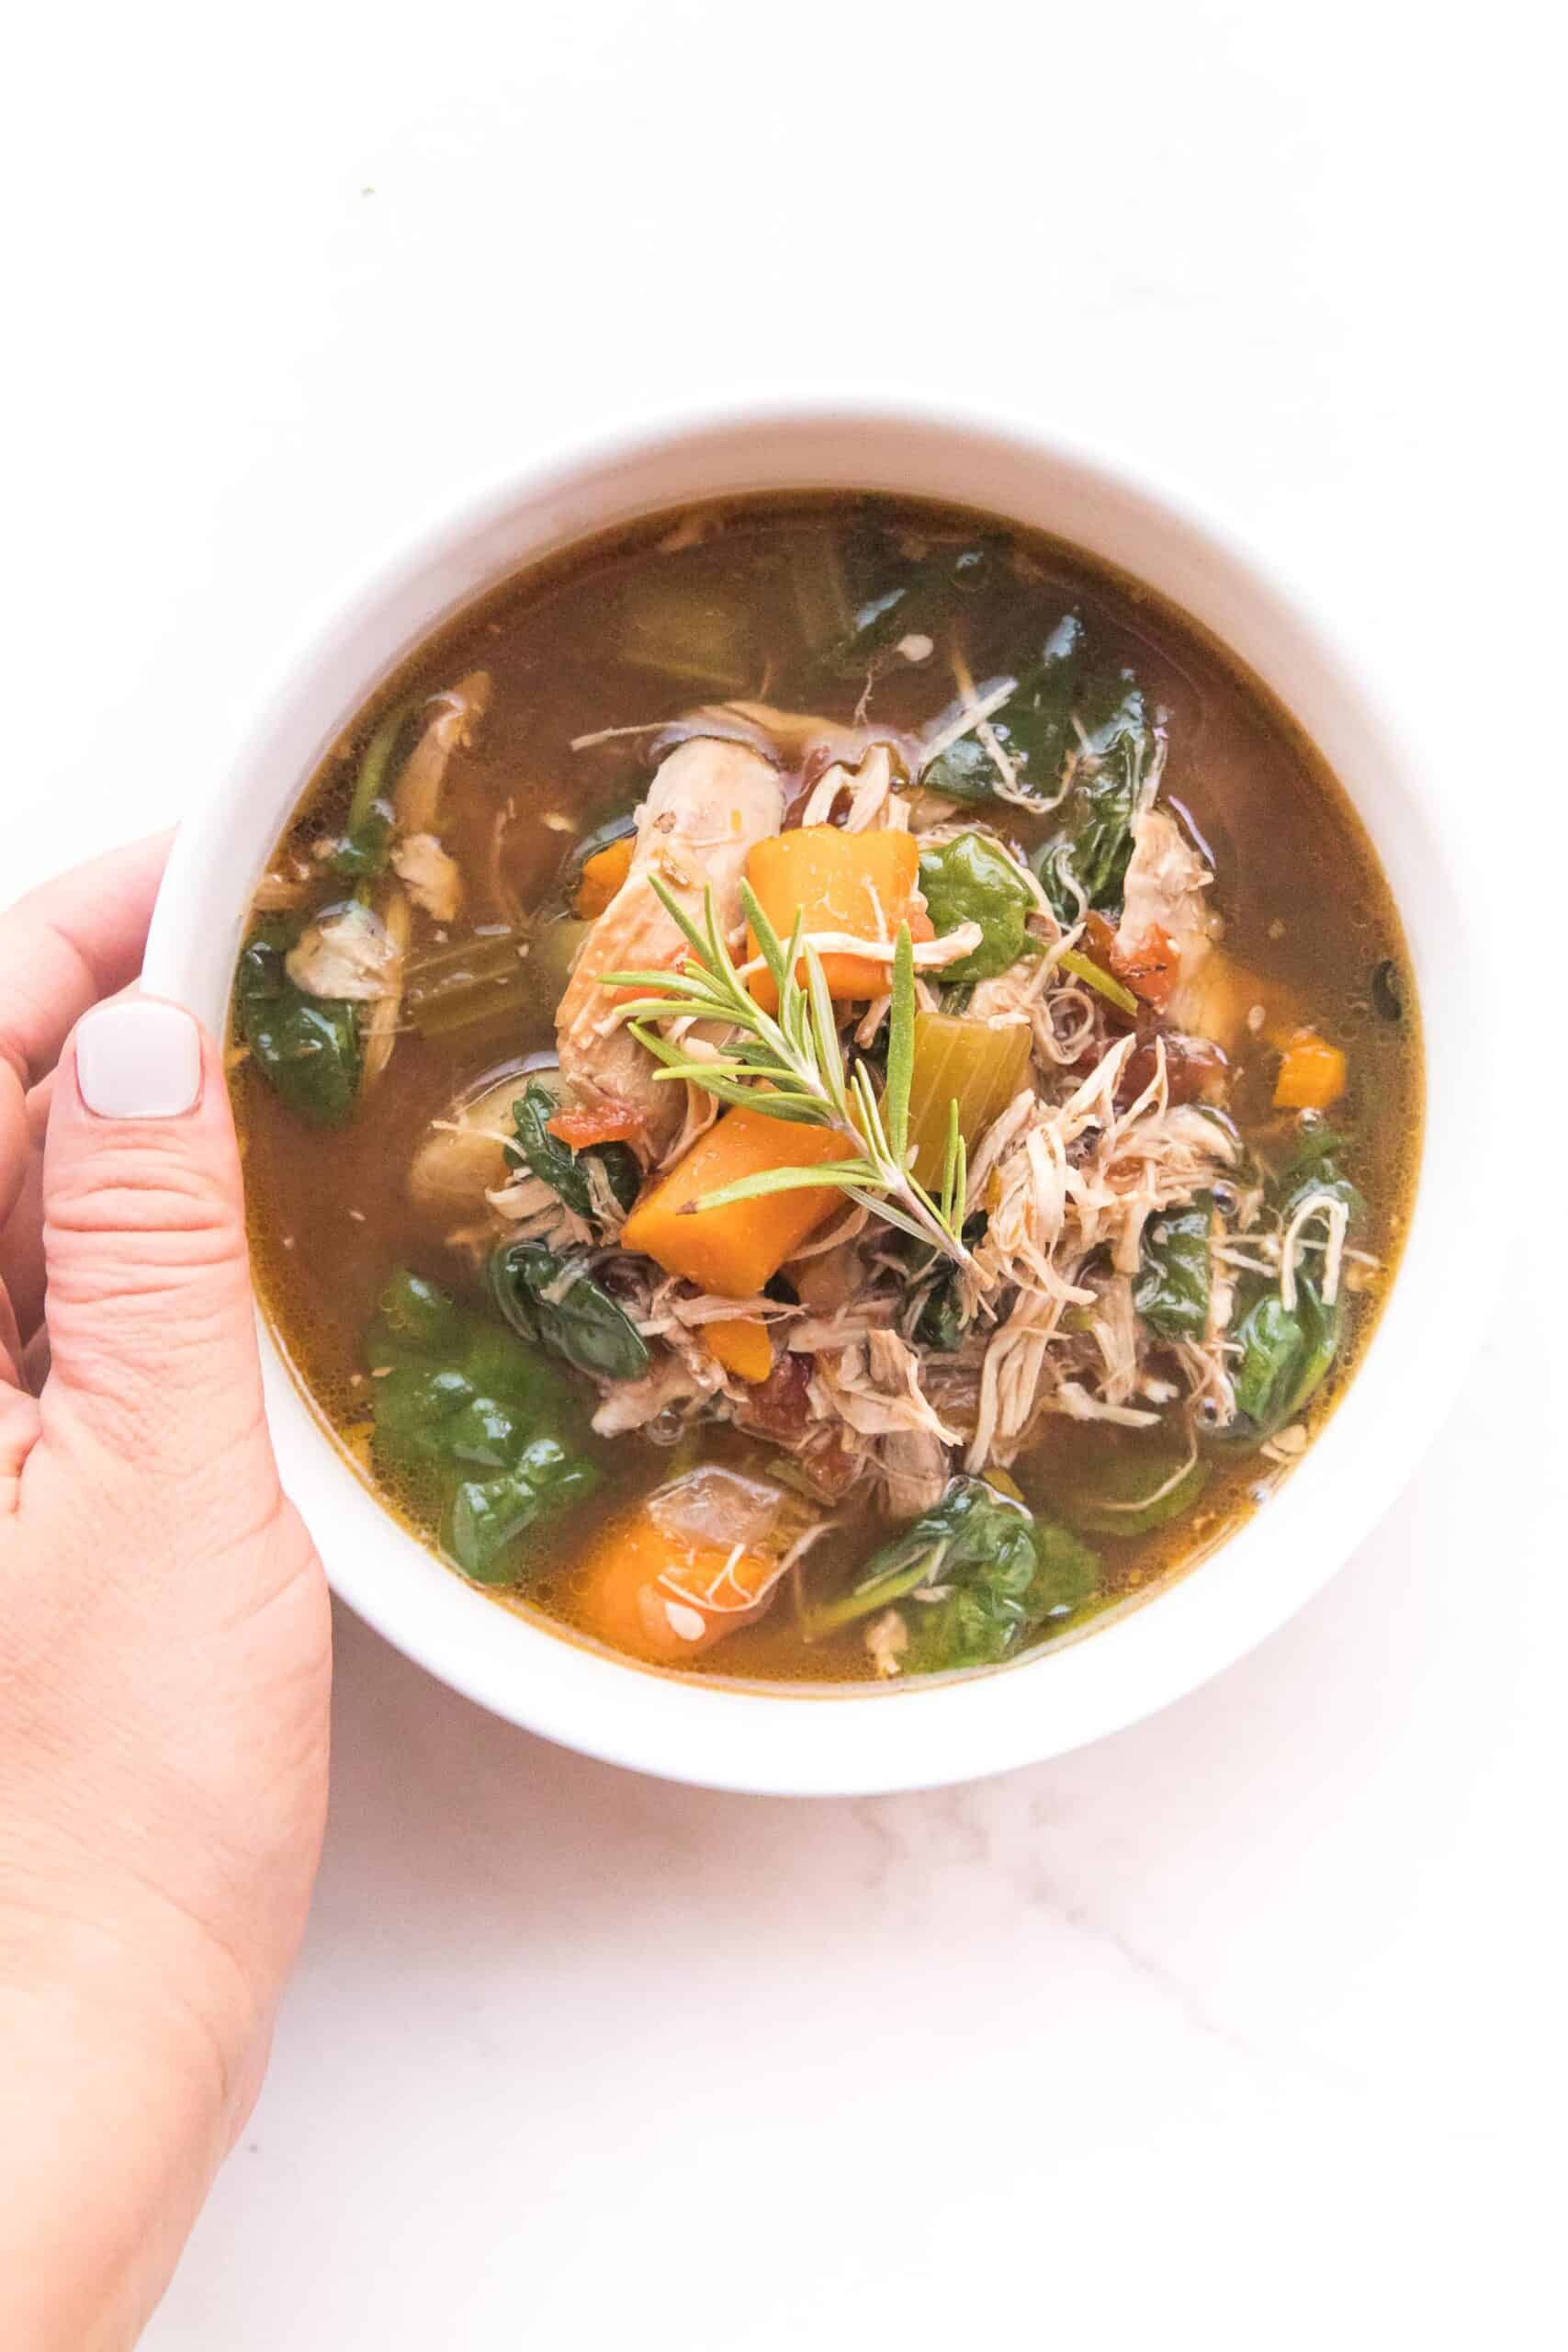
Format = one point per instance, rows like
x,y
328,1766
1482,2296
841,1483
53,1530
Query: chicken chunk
x,y
710,802
1166,882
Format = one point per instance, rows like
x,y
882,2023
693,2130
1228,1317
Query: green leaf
x,y
361,851
550,1159
787,1179
919,603
1135,1492
900,1046
793,1067
955,1166
972,879
1284,1354
563,1170
681,920
1094,976
1085,860
474,1422
825,1027
769,945
1033,728
987,1617
1313,1149
938,1321
419,1315
554,1300
306,1048
487,1515
998,1574
1171,1288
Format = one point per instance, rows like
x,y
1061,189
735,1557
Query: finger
x,y
21,1234
21,1242
150,1317
18,1412
61,948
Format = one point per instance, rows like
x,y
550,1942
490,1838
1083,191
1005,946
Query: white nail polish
x,y
138,1060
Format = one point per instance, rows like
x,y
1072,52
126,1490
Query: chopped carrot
x,y
666,1598
734,1250
1312,1073
602,1123
602,877
742,1346
861,883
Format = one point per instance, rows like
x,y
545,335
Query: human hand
x,y
163,1635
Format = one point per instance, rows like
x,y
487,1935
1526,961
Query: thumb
x,y
147,1297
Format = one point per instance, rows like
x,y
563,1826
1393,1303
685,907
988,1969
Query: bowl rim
x,y
861,1739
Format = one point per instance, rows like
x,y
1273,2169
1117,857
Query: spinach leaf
x,y
487,1515
469,1417
361,851
1085,860
1086,857
1172,1289
306,1048
918,603
1135,1492
939,1323
1034,728
553,1162
982,1621
1284,1354
996,1573
1311,1164
1315,1147
1323,1179
362,855
561,1168
555,1301
971,880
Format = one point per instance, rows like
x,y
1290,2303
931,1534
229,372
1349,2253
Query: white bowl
x,y
823,1742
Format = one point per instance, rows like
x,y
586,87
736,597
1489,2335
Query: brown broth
x,y
1297,883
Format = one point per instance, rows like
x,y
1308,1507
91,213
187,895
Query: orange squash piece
x,y
855,882
742,1346
733,1252
1313,1074
602,877
666,1599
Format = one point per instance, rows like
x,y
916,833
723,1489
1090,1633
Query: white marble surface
x,y
1247,2022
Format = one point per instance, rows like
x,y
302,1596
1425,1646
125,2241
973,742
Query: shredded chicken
x,y
347,952
453,716
429,876
674,1385
871,800
1164,890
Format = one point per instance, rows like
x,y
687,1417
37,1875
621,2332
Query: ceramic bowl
x,y
822,1741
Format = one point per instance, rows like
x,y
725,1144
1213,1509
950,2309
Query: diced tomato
x,y
1150,968
603,1123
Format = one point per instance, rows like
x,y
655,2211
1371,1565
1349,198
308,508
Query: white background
x,y
1245,2026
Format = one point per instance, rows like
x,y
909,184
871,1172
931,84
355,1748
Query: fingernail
x,y
138,1060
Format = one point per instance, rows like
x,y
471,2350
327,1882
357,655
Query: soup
x,y
829,1092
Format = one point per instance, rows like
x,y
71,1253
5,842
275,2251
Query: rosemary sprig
x,y
791,1066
